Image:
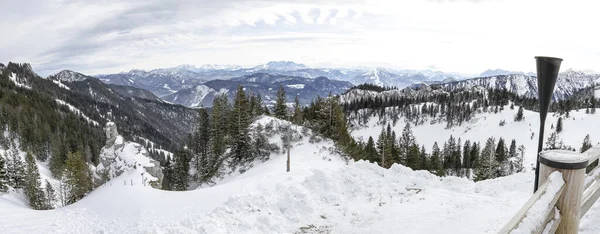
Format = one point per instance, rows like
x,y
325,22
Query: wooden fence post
x,y
572,165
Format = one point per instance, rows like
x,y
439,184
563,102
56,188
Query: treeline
x,y
33,122
222,142
455,158
453,108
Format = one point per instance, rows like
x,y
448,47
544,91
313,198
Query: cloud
x,y
461,35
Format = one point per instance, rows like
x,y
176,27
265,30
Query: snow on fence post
x,y
572,165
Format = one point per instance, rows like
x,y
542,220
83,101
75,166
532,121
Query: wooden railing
x,y
565,195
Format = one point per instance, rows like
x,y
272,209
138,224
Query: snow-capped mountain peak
x,y
498,72
281,66
69,76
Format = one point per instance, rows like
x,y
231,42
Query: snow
x,y
536,215
77,111
60,84
485,125
321,192
296,86
597,93
564,156
13,77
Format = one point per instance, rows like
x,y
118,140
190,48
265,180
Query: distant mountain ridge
x,y
264,84
166,81
568,83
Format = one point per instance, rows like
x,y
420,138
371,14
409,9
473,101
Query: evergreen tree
x,y
414,157
297,118
219,126
559,125
239,133
50,195
370,151
587,144
485,168
78,177
512,151
474,156
553,142
280,104
35,196
261,149
406,141
519,116
424,160
201,141
257,109
520,157
3,174
466,157
15,169
167,182
501,159
181,170
436,161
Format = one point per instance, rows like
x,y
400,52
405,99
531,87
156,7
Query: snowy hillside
x,y
321,194
119,156
485,125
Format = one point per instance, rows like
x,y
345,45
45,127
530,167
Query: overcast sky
x,y
469,36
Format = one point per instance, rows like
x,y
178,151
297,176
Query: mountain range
x,y
568,83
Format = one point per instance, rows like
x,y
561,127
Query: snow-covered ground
x,y
485,125
322,193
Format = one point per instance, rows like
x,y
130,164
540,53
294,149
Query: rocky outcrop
x,y
119,156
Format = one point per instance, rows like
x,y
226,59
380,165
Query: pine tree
x,y
33,191
553,142
559,125
466,157
261,149
587,144
485,168
436,161
50,195
519,116
474,156
181,170
239,133
512,157
280,104
297,118
78,177
218,131
370,151
414,157
201,140
15,169
167,182
501,160
258,109
424,160
3,174
406,141
520,157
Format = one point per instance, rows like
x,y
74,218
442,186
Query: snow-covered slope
x,y
119,156
321,194
485,125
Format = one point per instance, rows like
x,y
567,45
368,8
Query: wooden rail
x,y
529,213
555,207
592,182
